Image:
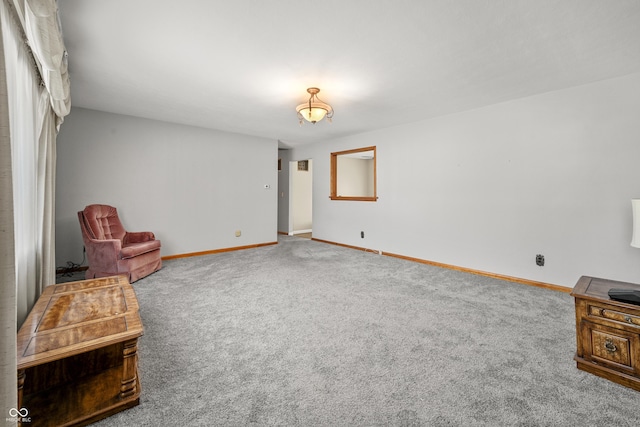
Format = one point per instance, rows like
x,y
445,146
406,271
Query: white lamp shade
x,y
313,114
635,237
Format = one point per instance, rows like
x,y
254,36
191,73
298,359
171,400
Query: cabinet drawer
x,y
611,347
616,348
618,316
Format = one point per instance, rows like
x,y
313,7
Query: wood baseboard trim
x,y
217,251
358,248
457,268
60,271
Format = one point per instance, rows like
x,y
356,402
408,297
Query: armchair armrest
x,y
137,237
103,254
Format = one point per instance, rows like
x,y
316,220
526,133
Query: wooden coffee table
x,y
77,353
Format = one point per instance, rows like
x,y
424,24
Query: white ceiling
x,y
243,65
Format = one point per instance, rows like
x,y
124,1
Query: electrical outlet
x,y
540,260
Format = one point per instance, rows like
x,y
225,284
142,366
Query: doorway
x,y
301,200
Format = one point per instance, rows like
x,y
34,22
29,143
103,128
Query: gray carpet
x,y
309,334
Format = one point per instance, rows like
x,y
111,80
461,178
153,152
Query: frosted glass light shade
x,y
635,237
314,110
313,114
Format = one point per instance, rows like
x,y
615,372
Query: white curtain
x,y
42,28
7,260
34,86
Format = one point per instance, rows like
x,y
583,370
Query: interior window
x,y
353,175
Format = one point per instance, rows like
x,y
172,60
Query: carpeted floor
x,y
309,334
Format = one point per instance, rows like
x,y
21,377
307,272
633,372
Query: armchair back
x,y
102,222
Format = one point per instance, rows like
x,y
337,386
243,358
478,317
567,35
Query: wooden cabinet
x,y
607,332
77,353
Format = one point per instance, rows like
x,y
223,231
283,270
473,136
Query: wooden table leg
x,y
129,369
21,377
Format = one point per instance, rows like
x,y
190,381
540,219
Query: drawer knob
x,y
628,319
610,346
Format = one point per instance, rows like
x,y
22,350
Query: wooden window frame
x,y
334,175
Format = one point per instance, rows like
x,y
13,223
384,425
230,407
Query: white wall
x,y
283,192
354,177
192,187
490,188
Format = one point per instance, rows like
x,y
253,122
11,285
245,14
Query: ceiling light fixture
x,y
314,110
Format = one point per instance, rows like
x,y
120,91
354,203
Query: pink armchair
x,y
113,251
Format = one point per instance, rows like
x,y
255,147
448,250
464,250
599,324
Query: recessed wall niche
x,y
353,175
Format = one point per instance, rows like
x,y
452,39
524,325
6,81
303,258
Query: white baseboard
x,y
291,233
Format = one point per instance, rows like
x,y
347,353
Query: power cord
x,y
71,267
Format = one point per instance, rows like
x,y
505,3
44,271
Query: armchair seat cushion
x,y
135,249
